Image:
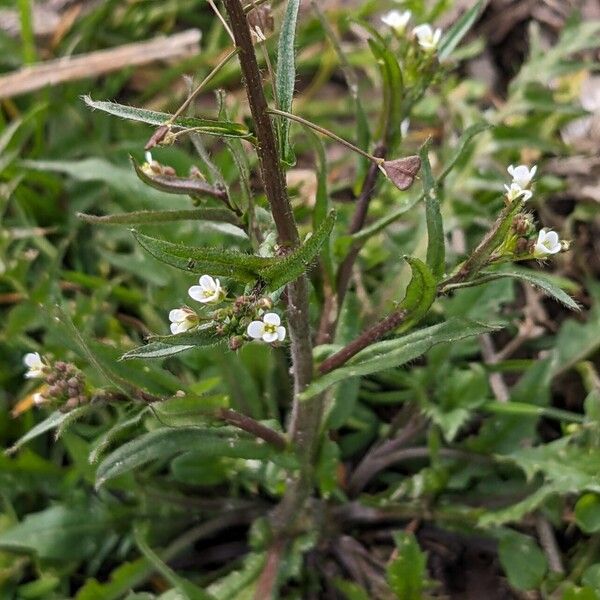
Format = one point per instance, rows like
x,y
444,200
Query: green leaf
x,y
290,267
59,533
406,573
587,513
285,77
205,126
539,280
398,351
49,423
216,261
393,89
241,581
457,32
165,443
436,249
189,590
351,590
420,293
523,562
155,350
154,217
204,335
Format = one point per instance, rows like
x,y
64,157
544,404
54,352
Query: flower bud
x,y
235,342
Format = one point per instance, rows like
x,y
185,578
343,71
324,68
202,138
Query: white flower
x,y
33,361
209,291
148,157
182,319
404,127
547,243
428,38
521,175
397,20
515,191
38,399
269,329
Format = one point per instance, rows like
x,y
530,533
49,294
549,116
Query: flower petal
x,y
256,329
196,292
177,314
269,336
551,239
281,333
208,283
32,359
272,319
175,328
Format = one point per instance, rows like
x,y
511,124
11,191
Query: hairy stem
x,y
306,416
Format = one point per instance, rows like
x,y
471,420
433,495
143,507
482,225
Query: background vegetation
x,y
492,487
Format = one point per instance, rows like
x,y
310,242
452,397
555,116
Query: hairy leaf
x,y
206,126
285,77
154,217
216,261
539,280
436,249
293,265
398,351
163,444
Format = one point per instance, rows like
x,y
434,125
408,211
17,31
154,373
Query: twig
x,y
366,338
306,416
497,383
265,588
252,426
100,62
549,545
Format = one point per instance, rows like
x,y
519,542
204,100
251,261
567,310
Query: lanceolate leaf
x,y
292,266
53,421
393,353
204,335
154,217
155,350
457,32
393,87
163,444
539,280
206,126
216,261
276,272
436,250
285,77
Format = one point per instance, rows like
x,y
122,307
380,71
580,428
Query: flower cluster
x,y
65,383
427,37
243,318
525,241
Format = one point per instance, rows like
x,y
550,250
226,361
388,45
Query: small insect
x,y
191,263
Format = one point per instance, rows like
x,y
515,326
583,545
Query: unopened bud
x,y
265,302
235,343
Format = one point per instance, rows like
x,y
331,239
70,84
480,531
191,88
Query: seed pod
x,y
402,171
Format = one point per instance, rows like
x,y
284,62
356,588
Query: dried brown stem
x,y
100,62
